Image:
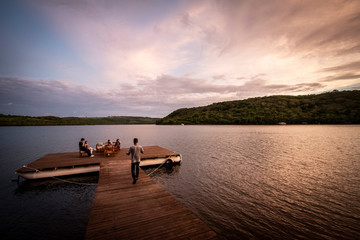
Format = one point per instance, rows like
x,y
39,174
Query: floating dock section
x,y
62,164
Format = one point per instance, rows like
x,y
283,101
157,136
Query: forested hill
x,y
11,120
338,107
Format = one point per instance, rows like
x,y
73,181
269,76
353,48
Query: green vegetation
x,y
10,120
338,107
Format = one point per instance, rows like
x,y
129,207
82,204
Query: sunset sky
x,y
149,58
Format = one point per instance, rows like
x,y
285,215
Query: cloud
x,y
130,38
347,76
193,91
154,97
352,87
293,26
349,71
151,57
124,39
261,87
38,97
348,50
353,66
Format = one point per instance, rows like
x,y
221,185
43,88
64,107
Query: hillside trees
x,y
341,107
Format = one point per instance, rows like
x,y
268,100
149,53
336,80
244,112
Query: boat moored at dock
x,y
32,173
165,160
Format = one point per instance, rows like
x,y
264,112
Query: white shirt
x,y
135,153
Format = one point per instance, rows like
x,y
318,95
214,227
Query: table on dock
x,y
122,210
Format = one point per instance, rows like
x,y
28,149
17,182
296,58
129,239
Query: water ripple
x,y
245,182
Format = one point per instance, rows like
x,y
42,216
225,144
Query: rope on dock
x,y
63,180
87,184
161,164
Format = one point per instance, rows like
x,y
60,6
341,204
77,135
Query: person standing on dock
x,y
135,151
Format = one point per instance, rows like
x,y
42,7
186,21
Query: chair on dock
x,y
110,150
82,153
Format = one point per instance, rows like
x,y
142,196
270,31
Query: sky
x,y
148,58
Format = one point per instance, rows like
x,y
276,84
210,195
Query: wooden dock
x,y
122,210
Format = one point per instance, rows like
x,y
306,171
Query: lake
x,y
245,182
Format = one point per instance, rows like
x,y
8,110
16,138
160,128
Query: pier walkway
x,y
122,210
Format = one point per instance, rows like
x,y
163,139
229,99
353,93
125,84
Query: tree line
x,y
337,107
14,120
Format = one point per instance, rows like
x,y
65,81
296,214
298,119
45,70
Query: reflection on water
x,y
270,181
49,209
245,182
54,184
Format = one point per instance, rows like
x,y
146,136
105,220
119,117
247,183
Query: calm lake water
x,y
245,182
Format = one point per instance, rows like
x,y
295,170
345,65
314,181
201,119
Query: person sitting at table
x,y
117,145
87,147
82,147
109,143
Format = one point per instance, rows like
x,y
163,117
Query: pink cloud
x,y
196,52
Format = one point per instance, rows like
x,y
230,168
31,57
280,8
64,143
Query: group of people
x,y
117,144
135,152
83,146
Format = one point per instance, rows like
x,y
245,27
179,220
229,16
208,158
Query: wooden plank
x,y
122,210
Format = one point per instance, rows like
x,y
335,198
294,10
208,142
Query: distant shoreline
x,y
15,120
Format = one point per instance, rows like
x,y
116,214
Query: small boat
x,y
168,161
33,173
